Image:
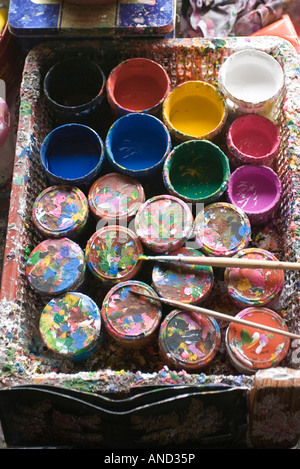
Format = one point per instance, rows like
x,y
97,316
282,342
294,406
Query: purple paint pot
x,y
253,139
137,85
72,154
74,89
196,171
60,211
188,340
256,190
131,320
115,197
137,144
163,223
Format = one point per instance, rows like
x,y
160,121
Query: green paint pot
x,y
196,171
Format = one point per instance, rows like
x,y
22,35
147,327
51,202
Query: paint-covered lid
x,y
71,325
164,223
131,319
60,211
56,266
251,348
112,254
222,229
187,283
254,286
188,340
116,196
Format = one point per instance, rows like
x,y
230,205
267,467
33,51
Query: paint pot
x,y
196,171
250,348
222,229
74,89
72,154
256,190
163,223
253,81
188,340
194,110
131,320
137,85
56,266
254,287
115,197
70,326
253,139
187,283
137,144
60,211
112,254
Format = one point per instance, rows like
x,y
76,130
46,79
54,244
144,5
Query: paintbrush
x,y
216,314
225,262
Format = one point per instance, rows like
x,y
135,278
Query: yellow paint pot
x,y
194,110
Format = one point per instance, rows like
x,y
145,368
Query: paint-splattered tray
x,y
180,415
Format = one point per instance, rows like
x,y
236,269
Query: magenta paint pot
x,y
137,85
72,154
74,89
164,223
256,190
137,144
253,139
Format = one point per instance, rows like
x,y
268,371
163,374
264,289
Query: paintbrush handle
x,y
217,315
227,262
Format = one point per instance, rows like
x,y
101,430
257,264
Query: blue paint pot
x,y
72,154
137,144
74,89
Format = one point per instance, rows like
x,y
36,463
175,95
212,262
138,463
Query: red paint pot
x,y
253,139
137,85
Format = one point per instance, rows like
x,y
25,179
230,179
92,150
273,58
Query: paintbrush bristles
x,y
225,262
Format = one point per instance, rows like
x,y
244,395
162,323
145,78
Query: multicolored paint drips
x,y
129,318
112,254
56,266
189,340
60,211
182,282
71,325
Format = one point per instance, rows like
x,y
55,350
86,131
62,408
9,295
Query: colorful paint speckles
x,y
71,325
130,319
60,211
56,266
259,287
164,223
222,229
251,348
112,254
116,196
183,282
188,340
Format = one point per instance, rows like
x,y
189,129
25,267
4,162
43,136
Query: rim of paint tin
x,y
179,356
74,134
68,336
71,223
196,149
113,324
137,123
191,90
239,281
128,69
238,141
240,339
65,66
114,266
251,173
253,63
